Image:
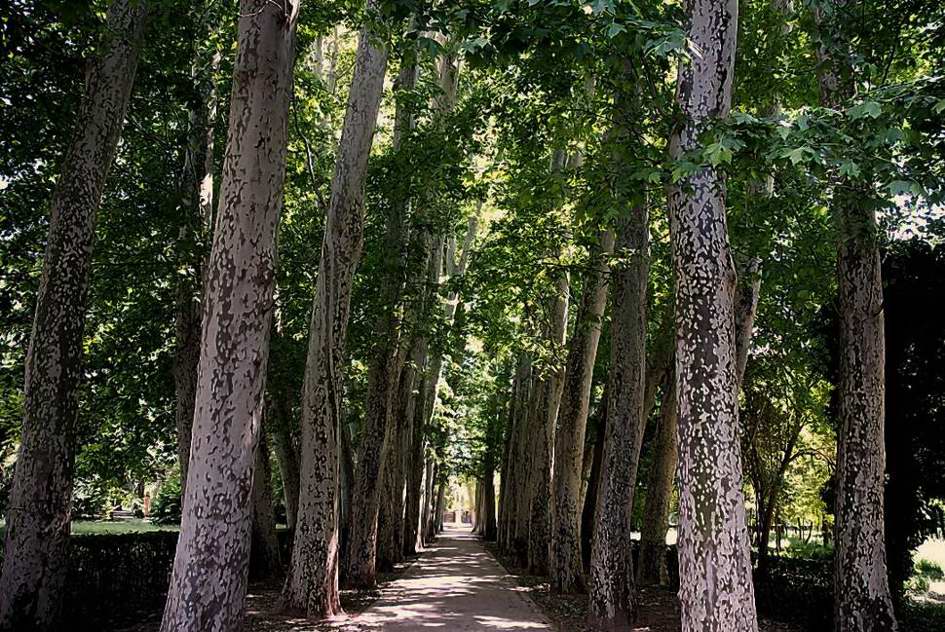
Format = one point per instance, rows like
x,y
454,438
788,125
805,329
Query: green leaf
x,y
901,187
871,109
718,153
798,154
615,29
849,169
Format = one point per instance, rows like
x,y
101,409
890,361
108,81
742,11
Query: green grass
x,y
93,527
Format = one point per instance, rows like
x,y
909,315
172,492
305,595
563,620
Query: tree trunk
x,y
567,573
37,533
413,512
287,459
217,520
265,560
594,465
197,217
518,445
429,474
485,509
345,483
862,599
861,586
611,587
488,510
652,564
440,508
312,582
540,488
373,508
659,492
507,467
716,591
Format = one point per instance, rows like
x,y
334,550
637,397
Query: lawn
x,y
93,527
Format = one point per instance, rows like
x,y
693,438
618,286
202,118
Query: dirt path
x,y
456,586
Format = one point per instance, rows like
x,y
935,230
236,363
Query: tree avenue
x,y
631,298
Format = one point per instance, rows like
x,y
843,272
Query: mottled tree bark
x,y
426,513
716,591
287,460
215,530
312,582
611,586
197,216
506,469
659,491
37,533
265,560
567,573
652,563
413,516
540,490
593,461
517,445
383,427
485,510
440,506
862,599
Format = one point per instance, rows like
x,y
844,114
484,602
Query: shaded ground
x,y
659,608
455,586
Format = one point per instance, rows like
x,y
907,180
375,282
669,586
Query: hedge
x,y
115,578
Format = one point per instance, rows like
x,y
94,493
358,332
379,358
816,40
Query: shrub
x,y
166,508
799,549
930,570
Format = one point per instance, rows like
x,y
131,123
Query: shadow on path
x,y
456,586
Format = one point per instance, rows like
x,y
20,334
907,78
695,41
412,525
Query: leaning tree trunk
x,y
518,445
567,573
265,561
485,507
611,587
197,216
312,582
414,466
217,517
540,490
287,458
716,591
652,563
374,505
37,533
593,461
862,599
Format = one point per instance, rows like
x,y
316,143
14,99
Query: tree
x,y
716,591
237,316
196,221
862,600
567,573
36,542
611,585
371,537
312,582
